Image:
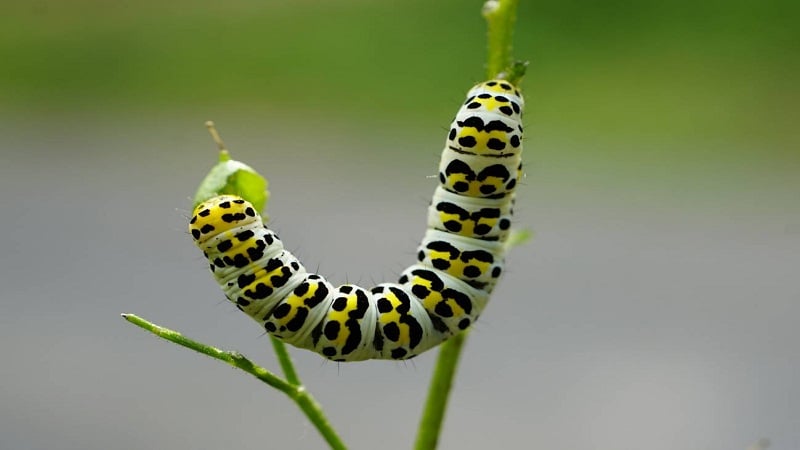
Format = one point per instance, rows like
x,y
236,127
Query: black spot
x,y
245,279
224,246
452,134
245,235
273,264
491,83
414,330
443,246
346,289
501,98
462,300
467,141
196,233
250,211
515,106
443,310
482,229
281,311
506,86
391,331
399,353
354,338
496,272
478,255
487,189
194,219
496,144
477,123
453,225
461,186
204,213
485,96
238,261
495,170
507,110
298,320
301,290
225,205
230,218
420,256
474,105
332,329
207,228
514,141
282,279
510,185
270,327
472,272
256,253
463,324
504,224
330,352
239,201
339,304
241,301
420,291
320,295
261,292
441,264
384,306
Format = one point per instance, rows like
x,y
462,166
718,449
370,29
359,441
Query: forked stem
x,y
294,390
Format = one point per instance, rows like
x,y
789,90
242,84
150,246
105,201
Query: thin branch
x,y
295,391
430,424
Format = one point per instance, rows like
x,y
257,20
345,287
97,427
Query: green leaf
x,y
232,177
519,237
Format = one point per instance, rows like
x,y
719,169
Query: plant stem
x,y
500,17
285,361
438,392
293,390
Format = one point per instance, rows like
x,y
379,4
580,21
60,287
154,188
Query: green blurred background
x,y
656,307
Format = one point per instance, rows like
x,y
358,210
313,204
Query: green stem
x,y
285,361
500,17
294,390
438,392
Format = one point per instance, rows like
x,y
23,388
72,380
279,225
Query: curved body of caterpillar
x,y
458,263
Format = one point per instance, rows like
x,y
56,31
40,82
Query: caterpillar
x,y
458,262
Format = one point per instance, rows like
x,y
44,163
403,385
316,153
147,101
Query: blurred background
x,y
657,306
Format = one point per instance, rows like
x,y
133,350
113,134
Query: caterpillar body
x,y
458,262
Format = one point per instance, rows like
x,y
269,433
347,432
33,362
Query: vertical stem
x,y
438,392
500,17
285,361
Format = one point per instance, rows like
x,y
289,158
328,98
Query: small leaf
x,y
232,177
236,178
519,237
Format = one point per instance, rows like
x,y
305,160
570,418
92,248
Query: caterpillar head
x,y
220,214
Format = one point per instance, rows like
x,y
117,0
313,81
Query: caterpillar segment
x,y
458,263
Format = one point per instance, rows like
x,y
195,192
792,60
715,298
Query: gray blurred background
x,y
657,306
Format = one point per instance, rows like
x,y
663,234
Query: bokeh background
x,y
657,306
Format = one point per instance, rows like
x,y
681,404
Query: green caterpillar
x,y
458,263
